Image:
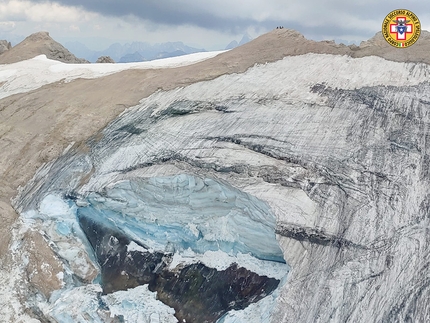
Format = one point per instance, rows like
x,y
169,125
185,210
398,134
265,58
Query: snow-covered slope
x,y
31,74
328,152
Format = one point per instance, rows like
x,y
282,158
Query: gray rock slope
x,y
338,147
4,46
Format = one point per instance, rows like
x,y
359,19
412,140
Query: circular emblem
x,y
401,28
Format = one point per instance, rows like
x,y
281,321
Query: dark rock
x,y
120,269
105,59
198,293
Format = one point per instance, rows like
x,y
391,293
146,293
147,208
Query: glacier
x,y
189,219
312,170
187,213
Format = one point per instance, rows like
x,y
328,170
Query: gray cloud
x,y
328,18
167,12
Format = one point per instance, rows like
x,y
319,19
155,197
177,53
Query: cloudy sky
x,y
200,23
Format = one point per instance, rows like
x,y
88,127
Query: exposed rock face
x,y
105,59
197,293
4,46
336,148
38,44
44,267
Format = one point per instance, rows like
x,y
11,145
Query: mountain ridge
x,y
37,44
280,43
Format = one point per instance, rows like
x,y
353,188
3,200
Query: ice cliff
x,y
312,171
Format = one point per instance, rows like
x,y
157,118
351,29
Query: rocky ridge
x,y
38,44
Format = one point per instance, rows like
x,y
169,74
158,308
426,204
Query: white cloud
x,y
22,10
74,28
7,25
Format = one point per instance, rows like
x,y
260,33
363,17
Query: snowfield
x,y
31,74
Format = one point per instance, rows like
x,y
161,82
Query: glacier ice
x,y
188,212
87,304
139,305
198,220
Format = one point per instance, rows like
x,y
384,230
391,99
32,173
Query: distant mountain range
x,y
134,52
246,38
130,52
141,51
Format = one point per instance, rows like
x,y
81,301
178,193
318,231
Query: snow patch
x,y
139,305
133,246
221,261
54,206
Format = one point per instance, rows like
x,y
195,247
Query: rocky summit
x,y
285,180
39,44
105,59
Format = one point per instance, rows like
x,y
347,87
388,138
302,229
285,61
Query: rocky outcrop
x,y
4,46
39,44
105,59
